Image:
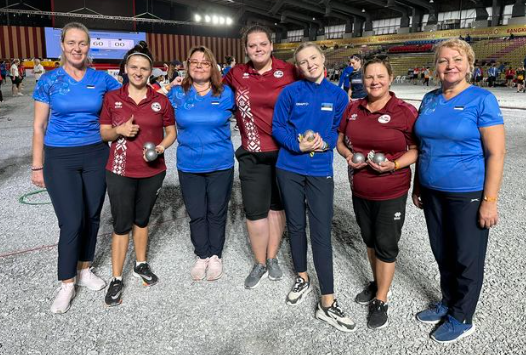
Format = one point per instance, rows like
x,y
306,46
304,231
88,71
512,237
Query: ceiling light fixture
x,y
363,10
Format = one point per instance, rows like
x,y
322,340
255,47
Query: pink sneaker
x,y
199,270
87,278
215,268
62,301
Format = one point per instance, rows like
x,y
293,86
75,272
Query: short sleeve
x,y
229,98
105,113
111,83
489,114
173,94
343,122
42,90
168,115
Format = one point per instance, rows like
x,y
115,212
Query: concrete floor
x,y
179,316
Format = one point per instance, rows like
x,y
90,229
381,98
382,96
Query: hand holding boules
x,y
356,160
150,155
310,142
128,129
379,162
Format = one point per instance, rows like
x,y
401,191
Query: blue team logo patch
x,y
326,106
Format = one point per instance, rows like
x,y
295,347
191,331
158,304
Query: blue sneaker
x,y
452,330
433,315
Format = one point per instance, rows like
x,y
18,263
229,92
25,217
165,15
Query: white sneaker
x,y
62,301
20,94
87,278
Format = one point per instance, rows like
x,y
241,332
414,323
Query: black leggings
x,y
75,181
315,195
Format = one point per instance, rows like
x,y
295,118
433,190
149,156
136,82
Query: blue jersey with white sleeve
x,y
306,105
203,129
74,106
451,153
344,78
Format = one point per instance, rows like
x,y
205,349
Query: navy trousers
x,y
206,197
459,245
76,182
315,195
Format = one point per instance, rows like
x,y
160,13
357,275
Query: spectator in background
x,y
510,75
38,69
519,75
157,79
173,70
230,61
478,75
22,76
492,75
14,73
3,70
344,77
427,76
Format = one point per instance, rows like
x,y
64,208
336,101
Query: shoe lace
x,y
438,307
298,285
257,270
144,269
337,309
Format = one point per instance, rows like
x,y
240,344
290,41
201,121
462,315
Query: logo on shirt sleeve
x,y
384,119
278,74
326,106
156,107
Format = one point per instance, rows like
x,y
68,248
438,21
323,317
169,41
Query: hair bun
x,y
142,44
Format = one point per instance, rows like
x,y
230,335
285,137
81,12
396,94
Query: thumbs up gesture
x,y
128,129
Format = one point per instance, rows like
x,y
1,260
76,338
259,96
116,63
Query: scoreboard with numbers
x,y
104,44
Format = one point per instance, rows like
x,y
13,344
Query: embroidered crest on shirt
x,y
246,75
119,157
118,104
243,103
278,74
384,119
353,117
156,106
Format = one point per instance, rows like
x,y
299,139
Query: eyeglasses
x,y
204,63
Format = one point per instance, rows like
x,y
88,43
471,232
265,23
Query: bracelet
x,y
490,199
396,164
164,90
37,168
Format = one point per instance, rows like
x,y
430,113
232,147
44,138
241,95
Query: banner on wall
x,y
488,32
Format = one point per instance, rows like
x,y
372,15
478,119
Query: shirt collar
x,y
123,93
389,106
276,65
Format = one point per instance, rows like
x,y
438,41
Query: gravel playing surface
x,y
179,316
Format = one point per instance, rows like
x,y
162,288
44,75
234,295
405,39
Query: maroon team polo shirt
x,y
389,131
255,96
152,114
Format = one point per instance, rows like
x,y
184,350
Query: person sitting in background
x,y
520,73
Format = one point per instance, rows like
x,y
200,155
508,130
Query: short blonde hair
x,y
307,45
459,45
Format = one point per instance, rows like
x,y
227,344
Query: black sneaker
x,y
114,293
368,294
377,315
335,316
144,272
300,289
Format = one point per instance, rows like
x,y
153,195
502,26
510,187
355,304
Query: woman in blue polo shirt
x,y
205,157
462,148
304,172
66,129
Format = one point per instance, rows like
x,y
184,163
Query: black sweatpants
x,y
459,245
315,194
76,182
206,197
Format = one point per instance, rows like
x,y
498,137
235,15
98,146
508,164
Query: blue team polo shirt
x,y
74,105
451,153
203,130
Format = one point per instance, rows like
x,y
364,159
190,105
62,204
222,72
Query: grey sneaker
x,y
299,291
274,271
335,316
258,272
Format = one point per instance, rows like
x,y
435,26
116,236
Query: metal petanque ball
x,y
358,158
379,158
309,135
150,154
148,146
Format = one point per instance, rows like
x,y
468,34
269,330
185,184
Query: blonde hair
x,y
307,45
462,47
76,26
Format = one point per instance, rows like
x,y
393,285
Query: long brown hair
x,y
215,76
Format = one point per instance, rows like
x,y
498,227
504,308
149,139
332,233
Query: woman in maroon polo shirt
x,y
130,117
379,123
257,85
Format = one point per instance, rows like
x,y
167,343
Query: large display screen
x,y
104,44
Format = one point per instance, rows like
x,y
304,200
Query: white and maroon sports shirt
x,y
255,96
